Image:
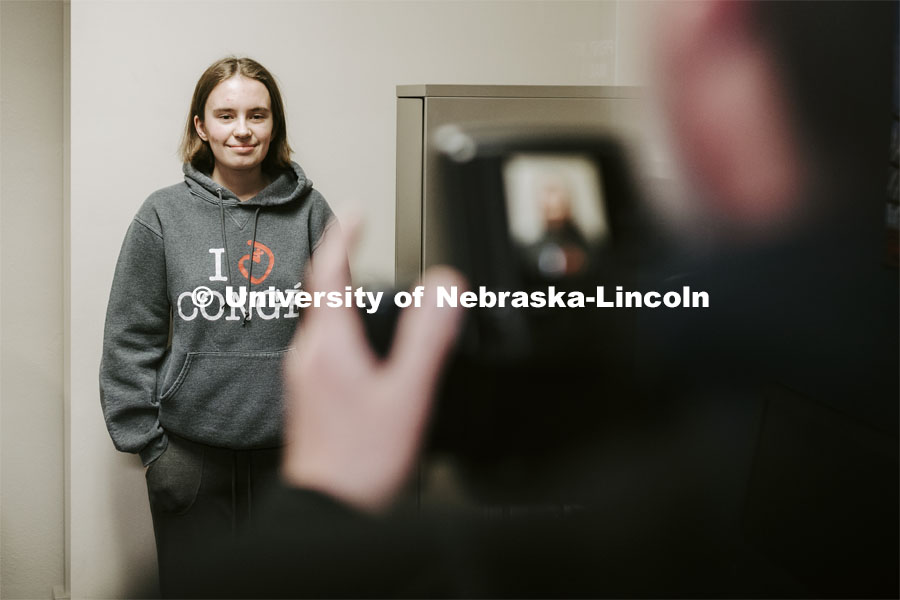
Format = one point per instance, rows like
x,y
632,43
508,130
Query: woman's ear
x,y
198,125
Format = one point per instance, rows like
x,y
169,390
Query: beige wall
x,y
133,66
31,299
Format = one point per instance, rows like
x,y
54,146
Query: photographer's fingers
x,y
425,335
329,271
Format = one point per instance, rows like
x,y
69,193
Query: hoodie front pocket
x,y
228,399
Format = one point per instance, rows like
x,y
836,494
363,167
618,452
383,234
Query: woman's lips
x,y
242,148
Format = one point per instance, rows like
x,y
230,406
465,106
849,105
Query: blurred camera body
x,y
539,220
543,216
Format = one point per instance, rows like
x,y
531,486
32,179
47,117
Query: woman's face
x,y
237,123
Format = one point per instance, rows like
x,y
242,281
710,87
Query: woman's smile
x,y
242,148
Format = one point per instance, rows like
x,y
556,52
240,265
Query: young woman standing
x,y
191,370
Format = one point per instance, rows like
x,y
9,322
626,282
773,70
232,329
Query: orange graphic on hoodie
x,y
258,250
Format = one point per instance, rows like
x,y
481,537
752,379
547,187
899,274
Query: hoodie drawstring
x,y
252,250
224,238
250,270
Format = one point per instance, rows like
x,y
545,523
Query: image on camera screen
x,y
555,208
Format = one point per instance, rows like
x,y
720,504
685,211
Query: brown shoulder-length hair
x,y
197,152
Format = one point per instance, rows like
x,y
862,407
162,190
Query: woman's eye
x,y
225,117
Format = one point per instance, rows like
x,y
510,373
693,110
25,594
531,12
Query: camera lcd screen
x,y
555,211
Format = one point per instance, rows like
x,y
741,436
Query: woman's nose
x,y
241,129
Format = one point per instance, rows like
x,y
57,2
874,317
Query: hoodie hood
x,y
288,186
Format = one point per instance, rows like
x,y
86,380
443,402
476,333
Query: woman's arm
x,y
134,343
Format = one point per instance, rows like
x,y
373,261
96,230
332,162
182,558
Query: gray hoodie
x,y
216,378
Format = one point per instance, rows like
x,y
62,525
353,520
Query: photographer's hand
x,y
354,422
